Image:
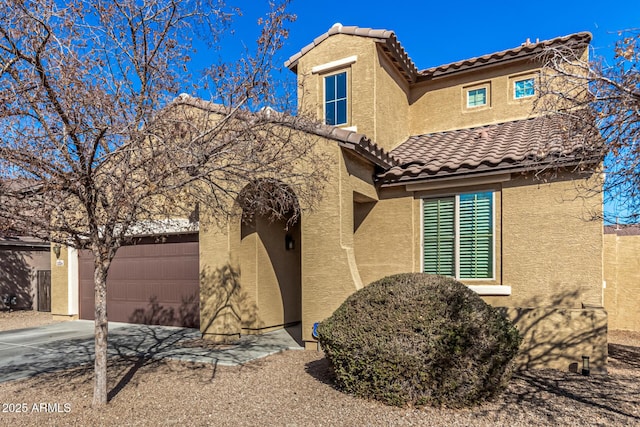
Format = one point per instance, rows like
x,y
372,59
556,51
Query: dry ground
x,y
293,389
24,319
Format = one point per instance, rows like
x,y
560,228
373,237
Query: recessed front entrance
x,y
271,264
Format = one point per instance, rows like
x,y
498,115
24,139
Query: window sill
x,y
491,290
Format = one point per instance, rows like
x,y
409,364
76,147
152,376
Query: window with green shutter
x,y
439,236
458,236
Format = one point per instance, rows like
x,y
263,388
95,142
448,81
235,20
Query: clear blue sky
x,y
435,33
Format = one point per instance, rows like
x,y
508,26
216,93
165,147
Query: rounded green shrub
x,y
419,339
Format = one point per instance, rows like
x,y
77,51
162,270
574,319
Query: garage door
x,y
148,282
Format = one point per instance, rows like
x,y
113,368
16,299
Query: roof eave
x,y
469,68
574,41
494,170
366,155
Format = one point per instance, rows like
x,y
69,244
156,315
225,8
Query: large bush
x,y
418,339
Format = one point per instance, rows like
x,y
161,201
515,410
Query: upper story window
x,y
523,88
458,236
477,97
335,99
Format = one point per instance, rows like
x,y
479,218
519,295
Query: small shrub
x,y
418,339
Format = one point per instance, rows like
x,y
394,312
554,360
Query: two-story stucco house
x,y
445,170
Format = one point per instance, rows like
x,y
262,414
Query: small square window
x,y
524,88
477,97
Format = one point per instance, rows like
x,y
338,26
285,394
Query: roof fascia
x,y
364,154
574,41
496,171
455,181
472,68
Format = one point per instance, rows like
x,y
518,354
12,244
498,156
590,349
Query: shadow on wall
x,y
225,307
16,280
558,337
283,249
187,314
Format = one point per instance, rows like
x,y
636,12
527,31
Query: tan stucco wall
x,y
551,249
441,104
223,303
557,338
622,276
329,265
385,236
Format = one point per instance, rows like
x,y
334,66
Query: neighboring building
x,y
25,274
446,170
622,276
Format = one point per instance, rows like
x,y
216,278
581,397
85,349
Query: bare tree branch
x,y
96,148
601,103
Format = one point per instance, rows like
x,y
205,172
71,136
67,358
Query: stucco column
x,y
64,283
219,286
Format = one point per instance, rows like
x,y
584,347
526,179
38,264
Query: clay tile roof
x,y
354,141
386,39
23,241
623,229
527,143
360,144
576,40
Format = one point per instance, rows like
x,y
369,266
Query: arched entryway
x,y
270,259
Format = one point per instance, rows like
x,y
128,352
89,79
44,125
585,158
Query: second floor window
x,y
477,97
335,99
523,88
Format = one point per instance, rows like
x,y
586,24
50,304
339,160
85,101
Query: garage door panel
x,y
147,283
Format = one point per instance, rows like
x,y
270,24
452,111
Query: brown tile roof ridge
x,y
623,229
349,139
390,43
526,143
580,39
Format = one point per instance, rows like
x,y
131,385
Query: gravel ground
x,y
293,389
24,319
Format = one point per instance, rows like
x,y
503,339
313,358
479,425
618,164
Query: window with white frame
x,y
477,97
458,236
335,99
524,88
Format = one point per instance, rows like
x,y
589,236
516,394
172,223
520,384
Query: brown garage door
x,y
148,282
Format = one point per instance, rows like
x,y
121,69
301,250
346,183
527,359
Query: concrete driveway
x,y
28,352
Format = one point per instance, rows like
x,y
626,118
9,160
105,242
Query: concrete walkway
x,y
28,352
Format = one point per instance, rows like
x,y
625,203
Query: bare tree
x,y
96,147
599,103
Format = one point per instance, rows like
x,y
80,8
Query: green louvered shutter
x,y
439,236
476,236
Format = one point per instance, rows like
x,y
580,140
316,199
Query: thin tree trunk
x,y
101,331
